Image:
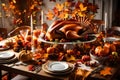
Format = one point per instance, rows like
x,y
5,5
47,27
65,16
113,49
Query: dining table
x,y
19,67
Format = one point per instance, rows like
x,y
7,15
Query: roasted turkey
x,y
68,29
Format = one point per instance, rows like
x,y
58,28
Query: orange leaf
x,y
82,8
81,14
50,15
106,71
59,7
63,15
55,11
74,13
67,4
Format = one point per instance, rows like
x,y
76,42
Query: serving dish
x,y
93,38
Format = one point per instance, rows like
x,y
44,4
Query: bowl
x,y
100,59
111,39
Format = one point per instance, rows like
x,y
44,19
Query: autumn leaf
x,y
70,58
81,14
67,4
63,15
55,10
59,6
82,8
74,13
106,71
50,15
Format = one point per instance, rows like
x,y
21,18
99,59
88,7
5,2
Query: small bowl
x,y
100,59
110,39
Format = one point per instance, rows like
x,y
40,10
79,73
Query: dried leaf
x,y
55,10
59,6
67,4
106,71
82,8
74,13
63,15
81,14
50,15
70,58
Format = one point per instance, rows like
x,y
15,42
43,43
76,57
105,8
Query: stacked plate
x,y
58,67
6,57
2,48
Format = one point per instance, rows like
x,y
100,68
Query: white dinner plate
x,y
6,55
4,61
68,70
58,66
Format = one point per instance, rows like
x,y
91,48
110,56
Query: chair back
x,y
16,31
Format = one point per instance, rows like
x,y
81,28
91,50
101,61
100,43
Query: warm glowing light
x,y
14,1
3,4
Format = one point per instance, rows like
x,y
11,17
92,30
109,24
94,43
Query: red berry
x,y
31,68
86,58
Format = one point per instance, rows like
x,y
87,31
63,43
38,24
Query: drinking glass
x,y
24,33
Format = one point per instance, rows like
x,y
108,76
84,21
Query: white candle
x,y
105,20
105,26
31,24
42,17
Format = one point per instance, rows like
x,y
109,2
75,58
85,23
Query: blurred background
x,y
15,13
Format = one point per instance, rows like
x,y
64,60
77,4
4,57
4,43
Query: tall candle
x,y
42,17
105,20
31,24
105,26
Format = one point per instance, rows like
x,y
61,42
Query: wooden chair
x,y
17,30
3,32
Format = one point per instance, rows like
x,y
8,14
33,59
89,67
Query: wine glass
x,y
24,33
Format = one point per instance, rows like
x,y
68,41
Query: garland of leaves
x,y
72,9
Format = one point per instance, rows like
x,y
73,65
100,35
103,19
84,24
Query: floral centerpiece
x,y
71,20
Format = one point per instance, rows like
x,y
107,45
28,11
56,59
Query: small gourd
x,y
25,56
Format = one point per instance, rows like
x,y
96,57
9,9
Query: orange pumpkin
x,y
101,51
111,46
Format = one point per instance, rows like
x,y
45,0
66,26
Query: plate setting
x,y
6,55
58,67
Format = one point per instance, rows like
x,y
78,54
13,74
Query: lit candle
x,y
42,17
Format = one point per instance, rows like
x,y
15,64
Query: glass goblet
x,y
24,33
